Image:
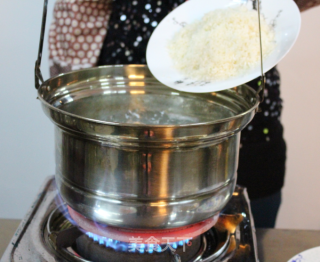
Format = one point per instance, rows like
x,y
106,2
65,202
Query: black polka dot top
x,y
130,27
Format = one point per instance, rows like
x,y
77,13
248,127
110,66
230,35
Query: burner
x,y
159,236
137,246
121,251
72,242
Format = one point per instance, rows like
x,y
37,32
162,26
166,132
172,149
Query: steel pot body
x,y
134,153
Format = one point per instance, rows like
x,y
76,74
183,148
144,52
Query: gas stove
x,y
49,233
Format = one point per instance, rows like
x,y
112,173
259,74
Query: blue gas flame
x,y
134,247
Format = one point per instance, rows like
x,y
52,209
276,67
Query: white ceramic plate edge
x,y
163,71
310,255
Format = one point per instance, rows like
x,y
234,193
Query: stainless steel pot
x,y
131,152
134,153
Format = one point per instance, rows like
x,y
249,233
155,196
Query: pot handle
x,y
37,71
260,91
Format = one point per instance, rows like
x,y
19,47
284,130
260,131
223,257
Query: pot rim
x,y
141,125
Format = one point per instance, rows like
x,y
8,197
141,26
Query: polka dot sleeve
x,y
76,34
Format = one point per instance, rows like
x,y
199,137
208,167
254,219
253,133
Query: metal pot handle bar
x,y
38,74
260,91
37,71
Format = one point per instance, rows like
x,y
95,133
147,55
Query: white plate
x,y
283,14
310,255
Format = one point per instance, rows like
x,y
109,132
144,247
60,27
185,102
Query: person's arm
x,y
76,34
306,4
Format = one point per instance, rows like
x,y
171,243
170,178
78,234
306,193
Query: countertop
x,y
279,245
274,245
7,229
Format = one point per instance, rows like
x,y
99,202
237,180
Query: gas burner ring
x,y
60,228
